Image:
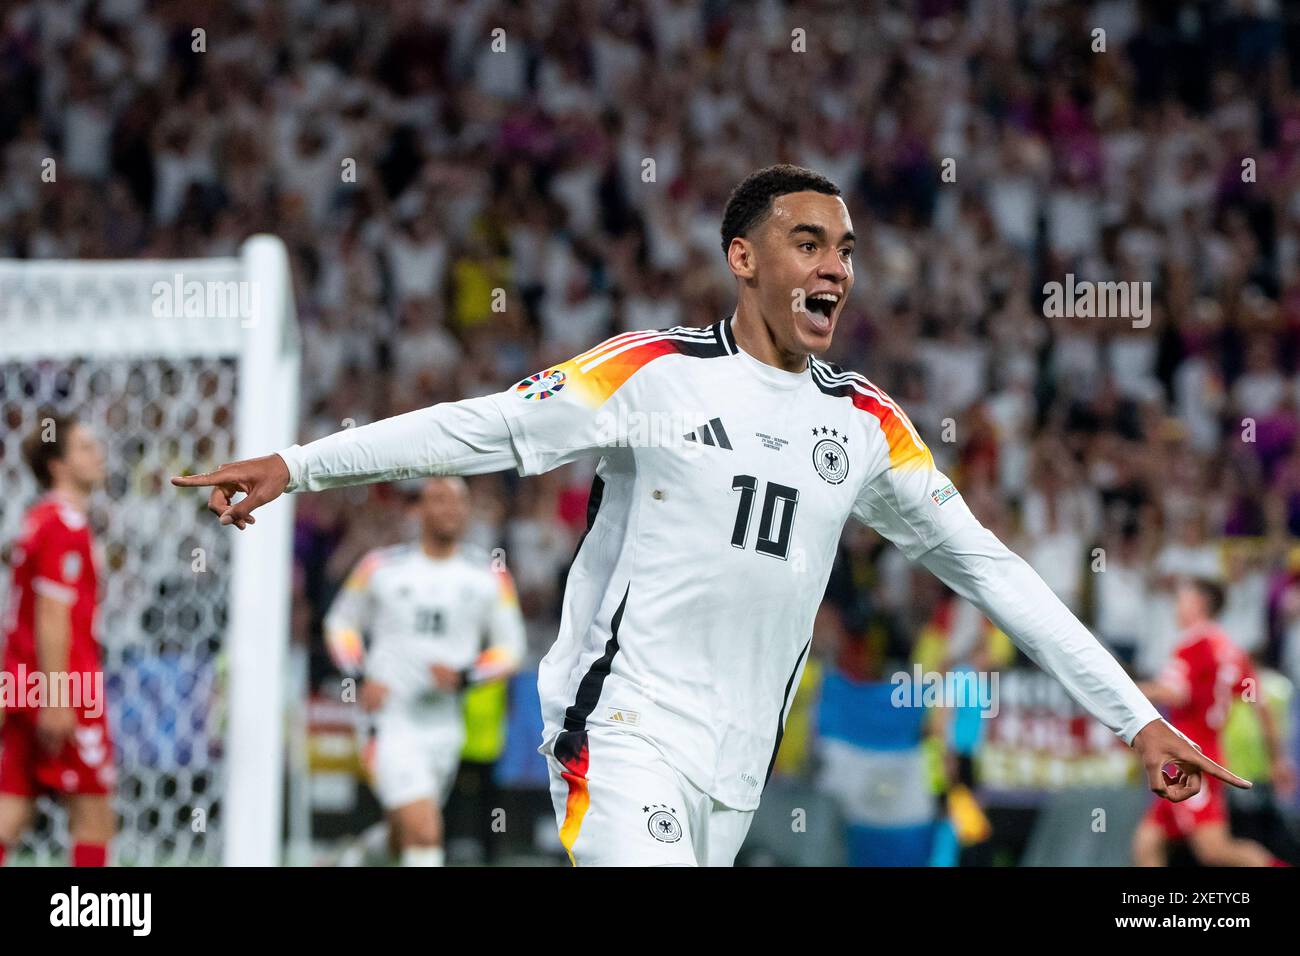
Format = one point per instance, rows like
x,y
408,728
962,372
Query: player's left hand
x,y
1158,744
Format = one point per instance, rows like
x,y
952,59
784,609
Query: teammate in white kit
x,y
439,619
688,612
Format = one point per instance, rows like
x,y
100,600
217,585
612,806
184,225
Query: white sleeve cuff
x,y
293,459
53,589
1143,717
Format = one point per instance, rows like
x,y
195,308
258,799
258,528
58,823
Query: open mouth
x,y
820,307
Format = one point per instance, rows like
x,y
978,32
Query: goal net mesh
x,y
162,614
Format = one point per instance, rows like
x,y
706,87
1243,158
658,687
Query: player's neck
x,y
1200,627
438,548
755,339
71,494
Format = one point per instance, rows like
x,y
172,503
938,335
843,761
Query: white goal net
x,y
175,365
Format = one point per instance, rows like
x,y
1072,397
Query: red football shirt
x,y
1209,671
53,556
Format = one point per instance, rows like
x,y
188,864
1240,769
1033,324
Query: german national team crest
x,y
541,385
829,457
664,826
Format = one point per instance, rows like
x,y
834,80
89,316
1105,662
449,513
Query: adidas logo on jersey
x,y
711,434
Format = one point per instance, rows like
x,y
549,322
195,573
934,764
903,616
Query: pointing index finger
x,y
196,481
1223,773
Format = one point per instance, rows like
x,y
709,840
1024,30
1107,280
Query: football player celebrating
x,y
688,612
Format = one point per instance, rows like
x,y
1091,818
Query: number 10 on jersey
x,y
780,498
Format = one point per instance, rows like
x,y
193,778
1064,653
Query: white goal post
x,y
175,364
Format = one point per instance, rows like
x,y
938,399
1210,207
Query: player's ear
x,y
740,257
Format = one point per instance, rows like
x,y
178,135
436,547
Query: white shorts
x,y
619,803
414,759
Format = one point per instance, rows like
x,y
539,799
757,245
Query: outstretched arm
x,y
573,410
469,437
908,500
979,567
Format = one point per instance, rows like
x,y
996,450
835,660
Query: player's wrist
x,y
291,459
1139,739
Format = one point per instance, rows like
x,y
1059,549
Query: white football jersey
x,y
722,487
419,611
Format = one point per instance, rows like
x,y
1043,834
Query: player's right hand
x,y
372,696
260,479
54,727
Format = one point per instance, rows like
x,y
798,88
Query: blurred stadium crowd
x,y
412,169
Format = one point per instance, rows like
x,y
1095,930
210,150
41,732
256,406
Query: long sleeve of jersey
x,y
348,619
915,506
979,567
469,437
547,420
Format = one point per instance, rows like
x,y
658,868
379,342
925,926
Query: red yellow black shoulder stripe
x,y
906,450
598,373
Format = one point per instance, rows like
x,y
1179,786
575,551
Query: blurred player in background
x,y
1198,685
57,741
439,620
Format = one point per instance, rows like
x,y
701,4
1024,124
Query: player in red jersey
x,y
1205,674
54,736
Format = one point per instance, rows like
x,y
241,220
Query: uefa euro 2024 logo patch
x,y
541,385
829,457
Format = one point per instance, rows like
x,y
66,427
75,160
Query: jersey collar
x,y
776,377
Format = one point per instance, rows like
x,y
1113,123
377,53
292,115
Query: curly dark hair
x,y
751,202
